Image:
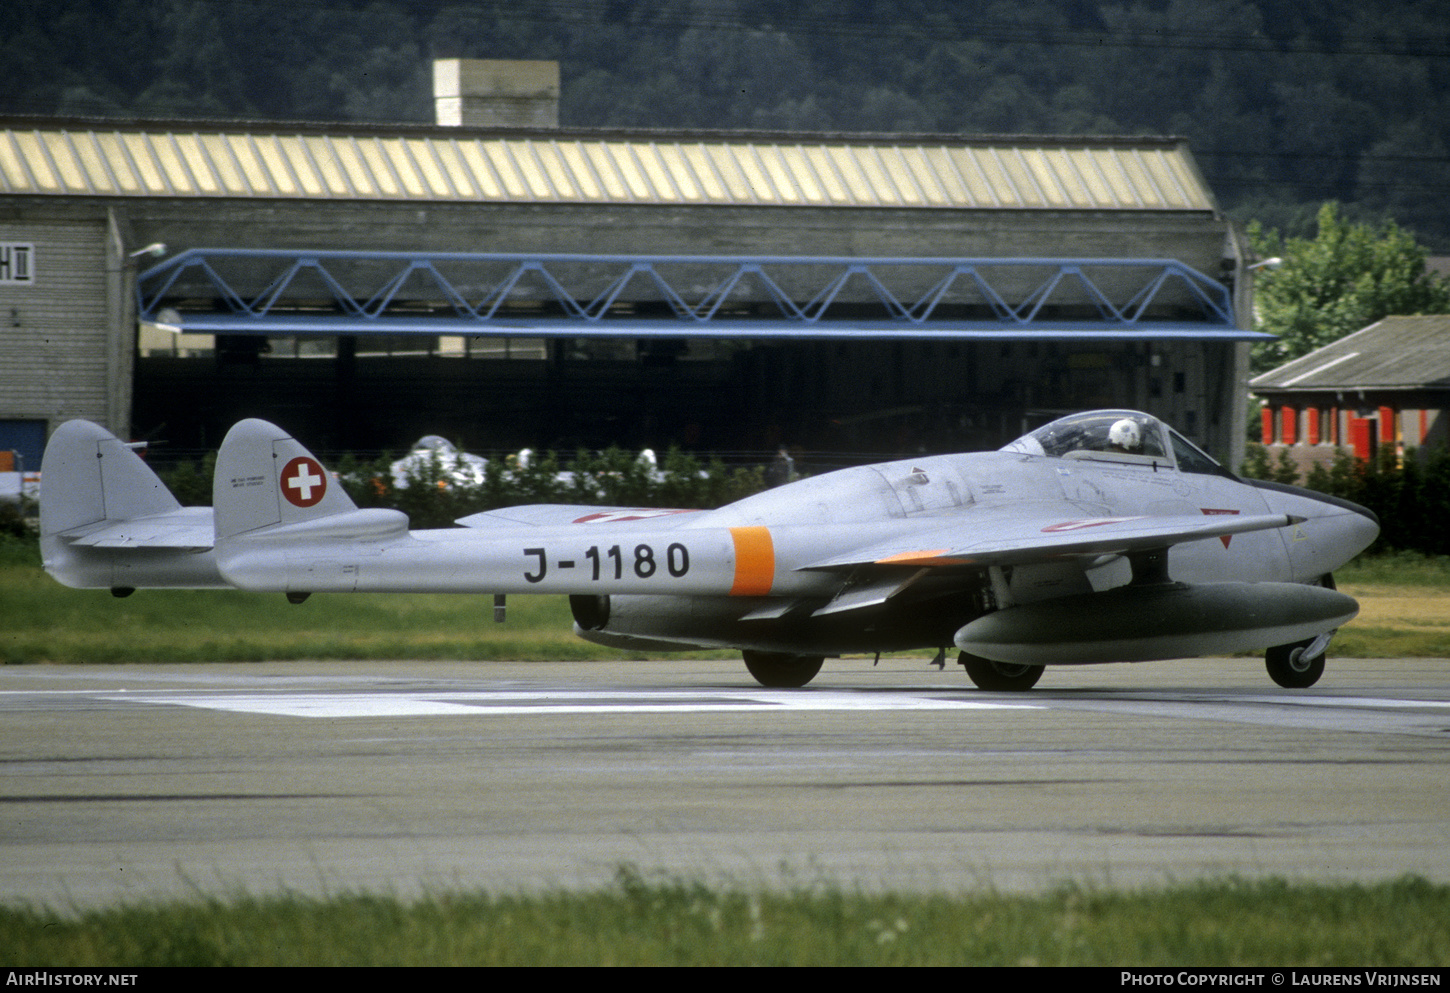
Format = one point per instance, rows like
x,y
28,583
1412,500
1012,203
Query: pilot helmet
x,y
1126,435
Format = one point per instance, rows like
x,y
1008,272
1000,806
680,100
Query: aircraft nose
x,y
1368,524
1370,517
1367,513
1315,497
1354,526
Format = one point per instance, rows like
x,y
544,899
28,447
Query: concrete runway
x,y
126,783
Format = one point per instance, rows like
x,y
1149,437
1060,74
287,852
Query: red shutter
x,y
1387,424
1359,436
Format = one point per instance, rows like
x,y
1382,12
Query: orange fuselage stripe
x,y
754,561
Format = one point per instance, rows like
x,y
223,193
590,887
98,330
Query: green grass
x,y
668,922
1397,569
54,625
45,622
1365,642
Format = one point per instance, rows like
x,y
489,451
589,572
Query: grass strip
x,y
641,921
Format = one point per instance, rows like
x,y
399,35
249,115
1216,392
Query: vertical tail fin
x,y
284,522
265,479
91,476
107,520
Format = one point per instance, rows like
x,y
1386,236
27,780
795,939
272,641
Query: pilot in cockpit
x,y
1125,436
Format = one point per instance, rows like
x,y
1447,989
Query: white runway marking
x,y
545,702
1348,701
341,698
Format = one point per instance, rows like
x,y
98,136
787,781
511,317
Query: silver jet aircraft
x,y
1101,537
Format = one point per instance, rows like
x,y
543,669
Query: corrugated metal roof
x,y
705,169
1395,353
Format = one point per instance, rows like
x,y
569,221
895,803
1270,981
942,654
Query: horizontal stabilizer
x,y
359,524
185,527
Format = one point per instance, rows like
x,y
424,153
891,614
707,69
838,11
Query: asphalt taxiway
x,y
137,782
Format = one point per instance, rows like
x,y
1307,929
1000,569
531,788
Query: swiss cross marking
x,y
303,482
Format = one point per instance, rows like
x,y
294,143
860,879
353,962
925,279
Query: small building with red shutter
x,y
1387,385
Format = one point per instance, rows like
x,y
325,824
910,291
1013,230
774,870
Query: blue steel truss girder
x,y
379,302
1039,297
601,304
494,300
711,304
196,295
999,307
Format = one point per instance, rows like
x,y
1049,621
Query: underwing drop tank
x,y
1164,621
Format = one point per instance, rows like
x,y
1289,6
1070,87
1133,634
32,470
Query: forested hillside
x,y
1286,104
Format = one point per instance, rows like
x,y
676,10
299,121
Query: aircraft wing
x,y
1016,539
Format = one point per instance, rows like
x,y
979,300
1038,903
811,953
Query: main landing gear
x,y
1293,666
1301,664
1298,665
779,670
1002,676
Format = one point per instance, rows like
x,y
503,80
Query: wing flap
x,y
870,594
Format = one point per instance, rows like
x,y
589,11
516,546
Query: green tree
x,y
1345,278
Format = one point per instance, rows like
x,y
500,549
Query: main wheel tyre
x,y
1004,676
1292,667
779,670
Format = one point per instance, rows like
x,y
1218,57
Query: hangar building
x,y
506,282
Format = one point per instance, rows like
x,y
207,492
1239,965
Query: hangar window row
x,y
158,341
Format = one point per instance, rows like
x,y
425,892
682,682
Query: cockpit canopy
x,y
1116,436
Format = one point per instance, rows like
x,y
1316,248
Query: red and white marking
x,y
1095,522
303,482
615,516
1213,512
